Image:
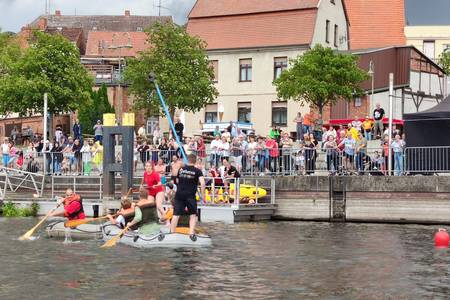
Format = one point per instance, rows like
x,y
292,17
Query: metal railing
x,y
432,160
259,162
13,180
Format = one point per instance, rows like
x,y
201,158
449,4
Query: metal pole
x,y
45,132
119,107
169,118
45,115
371,96
391,96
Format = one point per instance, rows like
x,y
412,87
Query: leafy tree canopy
x,y
51,64
182,69
321,77
444,62
91,112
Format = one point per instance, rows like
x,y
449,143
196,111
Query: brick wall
x,y
353,111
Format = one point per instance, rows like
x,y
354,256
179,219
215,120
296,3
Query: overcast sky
x,y
427,12
16,13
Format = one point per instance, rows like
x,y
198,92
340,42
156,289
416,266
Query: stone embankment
x,y
414,199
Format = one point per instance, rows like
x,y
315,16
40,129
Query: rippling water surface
x,y
285,260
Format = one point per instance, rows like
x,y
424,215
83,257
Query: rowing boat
x,y
56,229
153,235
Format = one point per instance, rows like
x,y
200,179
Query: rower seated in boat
x,y
73,207
148,207
128,215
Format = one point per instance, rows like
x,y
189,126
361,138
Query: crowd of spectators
x,y
338,150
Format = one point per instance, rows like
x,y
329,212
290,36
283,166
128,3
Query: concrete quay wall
x,y
415,199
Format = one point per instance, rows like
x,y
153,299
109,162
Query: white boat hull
x,y
56,229
159,239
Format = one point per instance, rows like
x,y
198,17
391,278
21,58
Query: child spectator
x,y
86,156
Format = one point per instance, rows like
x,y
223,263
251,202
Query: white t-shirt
x,y
215,144
225,149
5,148
141,131
251,147
357,124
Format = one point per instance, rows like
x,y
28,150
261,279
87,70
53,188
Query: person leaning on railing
x,y
361,152
331,149
397,148
286,144
215,151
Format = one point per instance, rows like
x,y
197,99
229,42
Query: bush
x,y
12,210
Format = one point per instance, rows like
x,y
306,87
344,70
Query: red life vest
x,y
79,213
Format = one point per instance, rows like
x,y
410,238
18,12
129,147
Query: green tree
x,y
94,110
51,64
321,77
182,69
444,62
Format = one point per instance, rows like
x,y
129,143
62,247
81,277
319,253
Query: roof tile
x,y
209,8
255,30
376,24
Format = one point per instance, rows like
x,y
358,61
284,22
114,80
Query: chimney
x,y
57,13
42,24
127,13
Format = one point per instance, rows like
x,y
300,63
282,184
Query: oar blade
x,y
112,242
168,215
185,230
27,235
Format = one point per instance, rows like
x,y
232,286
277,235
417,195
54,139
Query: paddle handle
x,y
46,216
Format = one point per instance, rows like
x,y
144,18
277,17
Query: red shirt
x,y
272,144
73,205
152,179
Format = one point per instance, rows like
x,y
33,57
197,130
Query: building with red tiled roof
x,y
375,24
124,23
250,43
97,38
105,44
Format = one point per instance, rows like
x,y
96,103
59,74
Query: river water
x,y
273,260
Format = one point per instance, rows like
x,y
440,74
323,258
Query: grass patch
x,y
12,210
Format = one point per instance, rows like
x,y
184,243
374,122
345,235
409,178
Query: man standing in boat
x,y
73,207
188,179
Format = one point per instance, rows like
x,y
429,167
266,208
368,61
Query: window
x,y
244,112
327,32
358,102
428,49
336,37
245,70
279,114
211,113
280,64
215,65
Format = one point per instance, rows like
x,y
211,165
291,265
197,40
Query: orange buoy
x,y
441,238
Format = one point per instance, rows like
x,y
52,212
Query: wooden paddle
x,y
112,242
30,232
168,215
185,230
75,223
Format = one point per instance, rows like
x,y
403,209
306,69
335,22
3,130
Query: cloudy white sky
x,y
16,13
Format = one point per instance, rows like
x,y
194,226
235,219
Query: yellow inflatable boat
x,y
247,194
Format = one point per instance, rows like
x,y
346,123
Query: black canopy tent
x,y
428,139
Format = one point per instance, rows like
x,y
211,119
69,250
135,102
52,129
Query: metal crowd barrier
x,y
286,162
427,160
